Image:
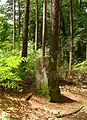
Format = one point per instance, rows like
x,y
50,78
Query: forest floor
x,y
72,107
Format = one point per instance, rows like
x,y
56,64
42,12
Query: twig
x,y
29,97
64,115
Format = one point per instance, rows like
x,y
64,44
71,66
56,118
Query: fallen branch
x,y
29,97
64,115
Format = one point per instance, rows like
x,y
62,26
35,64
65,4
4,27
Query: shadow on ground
x,y
17,108
64,99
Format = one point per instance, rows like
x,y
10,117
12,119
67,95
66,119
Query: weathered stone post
x,y
46,79
42,65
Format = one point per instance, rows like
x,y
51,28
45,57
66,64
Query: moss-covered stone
x,y
41,76
46,78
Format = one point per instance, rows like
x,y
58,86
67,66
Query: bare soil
x,y
73,105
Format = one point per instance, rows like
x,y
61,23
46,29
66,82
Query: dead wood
x,y
65,115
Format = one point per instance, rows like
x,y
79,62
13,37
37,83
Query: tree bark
x,y
14,27
50,11
19,23
62,19
53,79
71,39
86,50
44,28
36,28
59,30
19,20
62,28
25,31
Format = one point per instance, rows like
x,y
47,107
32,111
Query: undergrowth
x,y
81,67
14,68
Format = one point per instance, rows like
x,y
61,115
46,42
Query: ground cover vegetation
x,y
8,54
53,32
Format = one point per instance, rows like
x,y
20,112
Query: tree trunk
x,y
50,11
71,38
36,29
79,3
14,27
62,19
59,30
19,22
62,27
59,26
86,51
25,32
44,28
53,79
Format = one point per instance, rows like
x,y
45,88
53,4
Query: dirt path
x,y
38,108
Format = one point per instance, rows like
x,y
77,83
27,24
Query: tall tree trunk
x,y
71,39
86,50
62,25
36,28
79,46
62,19
50,11
79,3
19,22
14,27
44,28
59,18
53,79
25,31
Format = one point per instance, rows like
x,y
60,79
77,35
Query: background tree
x,y
14,26
36,28
25,31
19,12
71,38
44,28
6,36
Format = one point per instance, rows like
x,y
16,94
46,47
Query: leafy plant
x,y
43,91
81,67
14,68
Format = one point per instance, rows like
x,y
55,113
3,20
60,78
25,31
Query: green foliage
x,y
27,66
14,68
81,67
5,28
7,76
43,91
5,117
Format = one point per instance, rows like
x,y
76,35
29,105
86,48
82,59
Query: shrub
x,y
14,68
81,67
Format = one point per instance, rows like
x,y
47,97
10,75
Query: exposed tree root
x,y
29,97
65,115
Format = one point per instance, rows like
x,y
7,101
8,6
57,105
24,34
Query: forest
x,y
43,60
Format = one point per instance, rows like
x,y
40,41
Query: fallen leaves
x,y
32,107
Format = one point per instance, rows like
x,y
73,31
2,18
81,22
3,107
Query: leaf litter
x,y
72,107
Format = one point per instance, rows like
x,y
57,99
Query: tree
x,y
53,79
44,28
25,31
9,8
19,22
19,17
14,27
79,3
36,29
71,38
6,29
